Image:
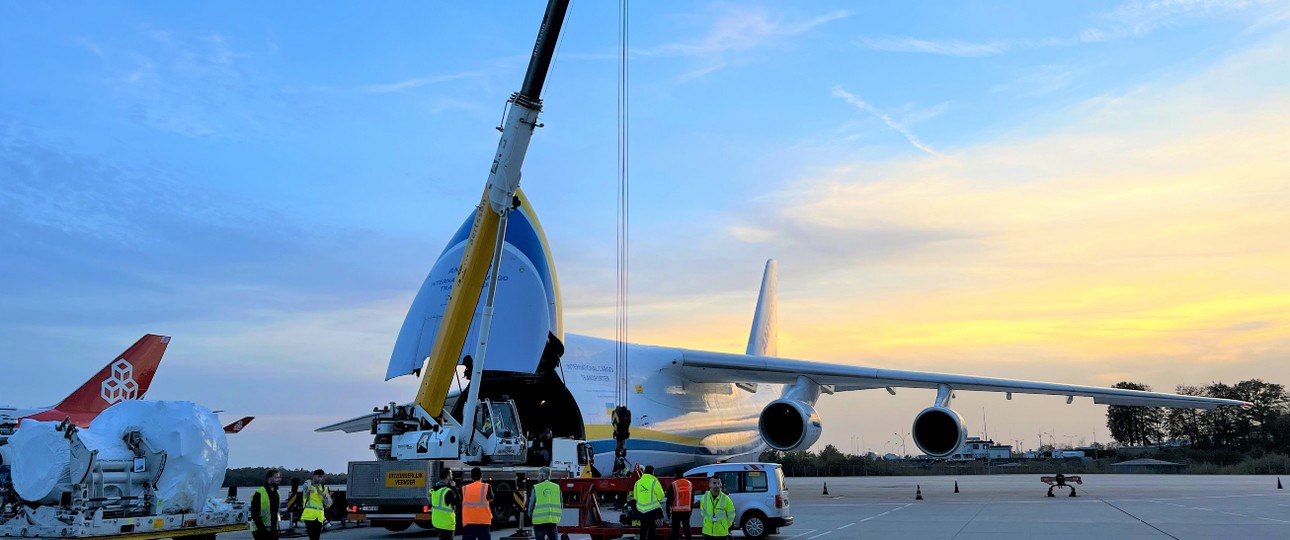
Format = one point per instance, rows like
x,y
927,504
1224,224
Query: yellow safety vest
x,y
270,515
648,493
718,515
315,504
442,516
546,503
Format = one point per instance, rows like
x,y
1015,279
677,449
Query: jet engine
x,y
789,425
939,431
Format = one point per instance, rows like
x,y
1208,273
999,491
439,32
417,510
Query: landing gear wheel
x,y
754,525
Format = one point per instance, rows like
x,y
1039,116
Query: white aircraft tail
x,y
763,339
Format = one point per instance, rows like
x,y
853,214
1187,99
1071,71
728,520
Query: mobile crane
x,y
414,441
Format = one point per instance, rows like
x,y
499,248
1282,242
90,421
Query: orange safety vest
x,y
681,497
474,504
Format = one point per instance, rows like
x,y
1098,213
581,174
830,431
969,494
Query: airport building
x,y
974,448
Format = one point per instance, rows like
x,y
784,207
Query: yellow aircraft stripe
x,y
550,262
606,431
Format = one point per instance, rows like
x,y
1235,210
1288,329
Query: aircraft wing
x,y
363,423
711,367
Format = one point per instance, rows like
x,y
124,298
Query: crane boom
x,y
498,199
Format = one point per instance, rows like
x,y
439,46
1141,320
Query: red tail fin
x,y
237,426
126,377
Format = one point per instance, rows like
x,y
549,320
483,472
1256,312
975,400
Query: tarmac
x,y
1003,507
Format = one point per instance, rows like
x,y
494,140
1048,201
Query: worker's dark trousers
x,y
476,532
648,523
545,531
264,534
681,522
314,528
445,535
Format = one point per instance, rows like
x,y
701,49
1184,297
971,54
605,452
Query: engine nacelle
x,y
939,431
789,425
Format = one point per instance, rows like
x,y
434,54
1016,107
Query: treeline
x,y
1262,427
254,476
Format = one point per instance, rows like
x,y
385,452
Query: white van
x,y
759,494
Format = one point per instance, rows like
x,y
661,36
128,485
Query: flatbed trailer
x,y
39,524
586,495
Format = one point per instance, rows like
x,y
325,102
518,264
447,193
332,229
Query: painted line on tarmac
x,y
819,535
1276,520
804,533
845,526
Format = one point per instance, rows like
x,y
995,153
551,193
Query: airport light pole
x,y
903,453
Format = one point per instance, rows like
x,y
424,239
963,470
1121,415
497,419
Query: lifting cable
x,y
621,416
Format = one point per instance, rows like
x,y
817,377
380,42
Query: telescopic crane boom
x,y
424,429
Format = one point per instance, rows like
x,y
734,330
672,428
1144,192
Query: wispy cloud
x,y
741,30
1041,80
418,82
950,47
736,30
898,127
1131,19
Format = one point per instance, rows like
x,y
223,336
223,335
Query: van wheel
x,y
397,526
754,525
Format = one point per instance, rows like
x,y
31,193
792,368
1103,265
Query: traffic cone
x,y
956,486
826,488
918,493
1278,482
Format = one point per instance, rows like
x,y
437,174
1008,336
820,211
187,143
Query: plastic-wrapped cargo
x,y
191,436
38,456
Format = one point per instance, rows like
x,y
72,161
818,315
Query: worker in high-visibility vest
x,y
649,502
264,508
476,512
718,511
680,501
545,506
317,499
443,504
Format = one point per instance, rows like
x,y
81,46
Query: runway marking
x,y
866,519
1276,520
819,535
804,533
845,526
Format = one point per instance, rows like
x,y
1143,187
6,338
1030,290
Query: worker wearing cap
x,y
443,504
545,506
264,508
476,512
317,498
718,511
649,502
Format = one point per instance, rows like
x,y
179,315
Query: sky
x,y
1082,193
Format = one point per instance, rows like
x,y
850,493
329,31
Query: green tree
x,y
1131,425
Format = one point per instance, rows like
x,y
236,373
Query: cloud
x,y
418,82
951,47
737,30
898,127
1040,80
1146,226
1131,19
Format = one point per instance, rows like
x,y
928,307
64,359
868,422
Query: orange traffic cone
x,y
956,486
918,493
826,488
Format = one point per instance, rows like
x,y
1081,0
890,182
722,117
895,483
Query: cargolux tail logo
x,y
120,386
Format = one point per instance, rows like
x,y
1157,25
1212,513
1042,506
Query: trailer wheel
x,y
505,509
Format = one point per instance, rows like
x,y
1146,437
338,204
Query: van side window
x,y
729,481
755,481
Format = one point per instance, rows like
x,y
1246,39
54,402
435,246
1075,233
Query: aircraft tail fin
x,y
764,338
238,426
125,377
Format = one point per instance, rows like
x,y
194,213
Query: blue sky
x,y
269,183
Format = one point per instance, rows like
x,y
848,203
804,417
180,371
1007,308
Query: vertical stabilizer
x,y
126,377
763,339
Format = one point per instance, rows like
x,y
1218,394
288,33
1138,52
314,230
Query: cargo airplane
x,y
689,406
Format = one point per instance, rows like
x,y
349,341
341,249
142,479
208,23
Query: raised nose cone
x,y
526,309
